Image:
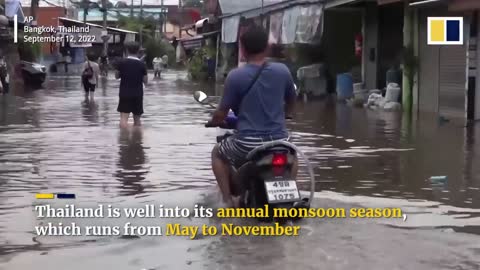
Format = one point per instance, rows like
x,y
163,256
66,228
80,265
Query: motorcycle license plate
x,y
282,191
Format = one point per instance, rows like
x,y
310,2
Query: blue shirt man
x,y
261,110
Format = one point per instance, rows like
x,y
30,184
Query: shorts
x,y
235,149
88,87
132,105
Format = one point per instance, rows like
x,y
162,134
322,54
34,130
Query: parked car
x,y
33,73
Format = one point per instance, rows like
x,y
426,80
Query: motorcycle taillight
x,y
279,160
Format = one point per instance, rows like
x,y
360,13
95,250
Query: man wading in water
x,y
132,73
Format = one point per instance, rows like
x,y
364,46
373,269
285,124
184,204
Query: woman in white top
x,y
157,66
90,75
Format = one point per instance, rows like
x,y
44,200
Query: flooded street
x,y
54,141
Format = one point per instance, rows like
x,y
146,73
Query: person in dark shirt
x,y
261,108
132,73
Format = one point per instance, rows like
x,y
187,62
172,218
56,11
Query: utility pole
x,y
141,23
85,12
131,9
105,40
261,16
181,18
85,5
162,18
34,7
161,22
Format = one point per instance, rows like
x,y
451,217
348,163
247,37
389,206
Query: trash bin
x,y
344,86
394,76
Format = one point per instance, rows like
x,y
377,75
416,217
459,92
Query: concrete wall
x,y
477,93
390,43
48,16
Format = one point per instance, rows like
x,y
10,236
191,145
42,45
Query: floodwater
x,y
53,141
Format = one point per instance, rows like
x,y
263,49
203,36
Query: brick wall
x,y
48,16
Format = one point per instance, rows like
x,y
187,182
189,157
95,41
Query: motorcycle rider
x,y
261,108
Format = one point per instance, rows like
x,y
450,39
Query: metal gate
x,y
452,81
442,74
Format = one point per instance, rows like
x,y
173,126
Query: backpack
x,y
87,72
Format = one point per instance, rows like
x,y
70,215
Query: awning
x,y
424,2
112,29
121,30
196,41
385,2
335,3
464,5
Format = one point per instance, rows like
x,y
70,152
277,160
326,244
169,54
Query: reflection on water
x,y
90,110
54,141
131,161
382,154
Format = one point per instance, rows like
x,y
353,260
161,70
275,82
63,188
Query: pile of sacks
x,y
389,102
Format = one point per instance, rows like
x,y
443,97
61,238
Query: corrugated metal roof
x,y
236,6
26,3
99,26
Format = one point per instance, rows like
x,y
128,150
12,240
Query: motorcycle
x,y
267,177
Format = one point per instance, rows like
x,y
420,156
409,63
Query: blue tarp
x,y
12,8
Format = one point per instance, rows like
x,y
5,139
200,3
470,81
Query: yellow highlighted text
x,y
269,212
276,230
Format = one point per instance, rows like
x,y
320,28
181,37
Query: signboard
x,y
192,44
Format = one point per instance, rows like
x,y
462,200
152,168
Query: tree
x,y
33,8
121,4
193,3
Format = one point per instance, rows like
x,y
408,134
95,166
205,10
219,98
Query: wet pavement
x,y
52,140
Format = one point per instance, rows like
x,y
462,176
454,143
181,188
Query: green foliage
x,y
197,67
196,4
410,60
28,51
193,3
146,25
154,48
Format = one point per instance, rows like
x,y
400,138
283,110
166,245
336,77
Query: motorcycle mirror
x,y
200,96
